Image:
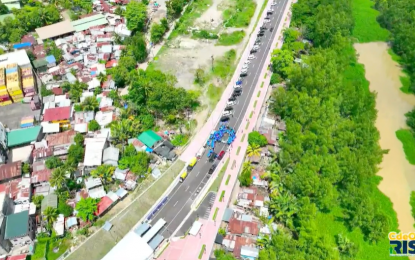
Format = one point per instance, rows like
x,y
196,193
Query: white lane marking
x,y
197,173
256,74
175,204
187,188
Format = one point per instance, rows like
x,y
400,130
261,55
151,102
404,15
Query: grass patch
x,y
247,125
214,93
262,84
218,180
227,39
250,115
227,179
224,67
204,34
366,28
265,76
408,142
202,251
193,11
215,214
237,151
40,249
259,93
221,196
243,138
255,103
239,14
62,244
405,80
329,224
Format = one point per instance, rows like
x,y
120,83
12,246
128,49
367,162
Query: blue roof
x,y
156,241
50,59
71,222
22,45
121,192
141,229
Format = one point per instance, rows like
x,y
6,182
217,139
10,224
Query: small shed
x,y
195,228
149,138
227,215
111,156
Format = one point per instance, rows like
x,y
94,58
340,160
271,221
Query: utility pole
x,y
212,61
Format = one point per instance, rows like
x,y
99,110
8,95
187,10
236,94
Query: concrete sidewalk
x,y
191,246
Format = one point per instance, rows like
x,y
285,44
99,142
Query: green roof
x,y
149,138
84,23
40,63
4,16
17,225
50,200
23,136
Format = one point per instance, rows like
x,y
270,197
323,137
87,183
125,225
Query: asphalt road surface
x,y
182,196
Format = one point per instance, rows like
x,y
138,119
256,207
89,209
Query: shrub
x,y
256,138
180,140
93,126
203,34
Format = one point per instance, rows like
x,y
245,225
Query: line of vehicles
x,y
232,101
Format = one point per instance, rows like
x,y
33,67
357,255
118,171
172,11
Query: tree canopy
x,y
86,209
136,15
255,137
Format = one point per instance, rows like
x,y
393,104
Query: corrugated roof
x,y
103,205
10,170
66,137
41,176
23,136
55,30
149,138
141,229
57,113
17,225
227,215
50,200
87,22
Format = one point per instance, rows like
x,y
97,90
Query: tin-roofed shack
x,y
10,171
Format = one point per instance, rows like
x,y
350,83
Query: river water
x,y
398,175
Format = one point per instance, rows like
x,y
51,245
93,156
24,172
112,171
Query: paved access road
x,y
181,198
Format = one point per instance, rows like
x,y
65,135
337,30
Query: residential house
x,y
111,156
120,174
243,228
23,193
61,142
40,174
139,146
234,244
71,222
150,139
61,115
7,208
94,148
103,205
95,188
10,171
249,253
20,229
24,136
104,118
23,154
59,225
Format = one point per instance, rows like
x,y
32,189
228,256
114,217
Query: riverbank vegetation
x,y
396,16
366,28
323,183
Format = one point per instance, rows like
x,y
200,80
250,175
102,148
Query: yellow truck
x,y
191,164
183,176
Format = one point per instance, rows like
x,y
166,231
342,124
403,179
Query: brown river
x,y
398,175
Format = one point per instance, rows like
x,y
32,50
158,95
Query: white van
x,y
200,153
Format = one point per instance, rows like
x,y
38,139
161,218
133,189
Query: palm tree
x,y
58,178
124,129
50,215
104,172
102,77
90,104
284,207
253,150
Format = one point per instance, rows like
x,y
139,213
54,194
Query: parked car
x,y
244,70
224,118
212,157
212,168
245,66
231,103
243,74
237,86
232,99
251,57
227,113
220,155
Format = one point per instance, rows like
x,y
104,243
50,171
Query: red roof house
x,y
41,176
57,114
10,171
103,205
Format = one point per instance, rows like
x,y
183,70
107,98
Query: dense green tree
x,y
90,104
93,125
124,129
175,7
37,200
136,15
157,32
137,47
58,178
86,209
244,177
3,9
255,137
79,139
75,154
104,172
65,209
281,62
49,216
